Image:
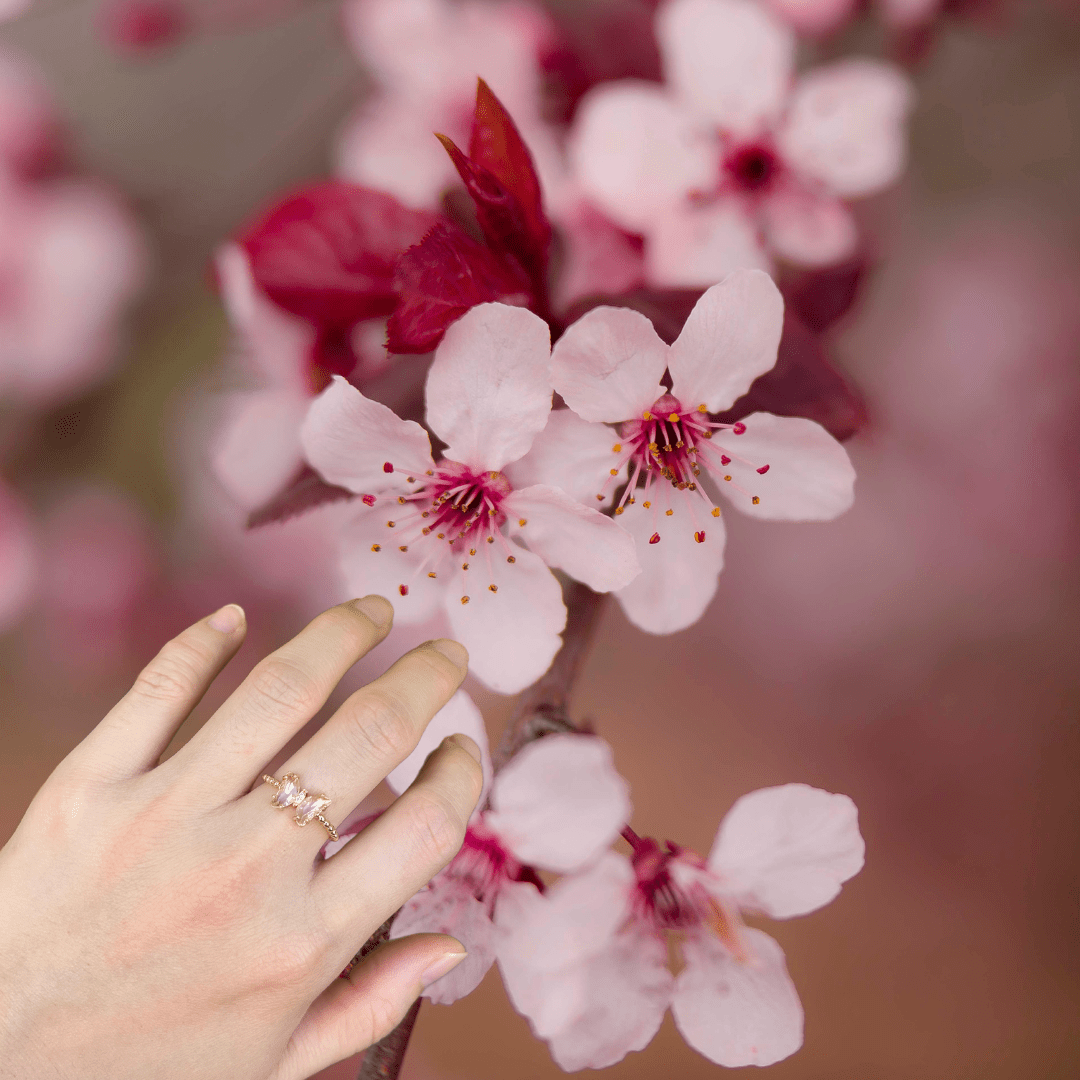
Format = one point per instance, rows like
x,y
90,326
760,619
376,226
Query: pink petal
x,y
18,558
385,570
908,14
608,365
572,537
599,258
730,60
275,344
448,906
678,576
737,1013
787,850
351,439
458,715
489,389
691,246
572,454
730,338
810,476
847,126
389,145
635,151
257,449
512,634
813,16
807,228
559,802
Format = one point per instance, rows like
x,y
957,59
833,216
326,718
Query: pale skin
x,y
164,920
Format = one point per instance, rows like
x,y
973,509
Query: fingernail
x,y
466,744
457,654
445,964
228,620
377,608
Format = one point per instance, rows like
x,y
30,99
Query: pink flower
x,y
608,368
732,163
30,140
587,962
557,805
18,557
442,533
426,56
70,262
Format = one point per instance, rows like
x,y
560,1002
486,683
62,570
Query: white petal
x,y
350,440
731,60
810,475
690,246
634,152
847,126
729,339
448,907
458,716
489,389
257,449
678,576
787,850
608,365
571,454
384,571
559,802
809,229
737,1013
513,634
573,537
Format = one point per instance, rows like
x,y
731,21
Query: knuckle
x,y
297,961
172,674
280,686
437,825
438,671
382,726
346,622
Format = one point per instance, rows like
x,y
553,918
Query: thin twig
x,y
383,1060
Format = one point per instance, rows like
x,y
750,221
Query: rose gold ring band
x,y
308,807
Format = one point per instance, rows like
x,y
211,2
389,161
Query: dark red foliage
x,y
597,42
327,253
307,491
437,281
803,382
821,297
496,146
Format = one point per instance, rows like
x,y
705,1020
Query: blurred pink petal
x,y
29,125
488,392
727,60
737,1012
815,17
559,802
807,228
787,850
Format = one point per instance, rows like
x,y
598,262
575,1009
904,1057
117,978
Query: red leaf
x,y
496,146
439,280
822,297
306,492
327,252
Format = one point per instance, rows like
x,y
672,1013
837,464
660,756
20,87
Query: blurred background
x,y
919,654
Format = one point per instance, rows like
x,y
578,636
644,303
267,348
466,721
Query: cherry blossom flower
x,y
732,163
426,56
18,557
70,262
587,962
608,368
557,805
442,533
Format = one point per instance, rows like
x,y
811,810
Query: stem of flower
x,y
541,710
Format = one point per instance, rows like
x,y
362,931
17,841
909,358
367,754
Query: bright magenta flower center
x,y
752,167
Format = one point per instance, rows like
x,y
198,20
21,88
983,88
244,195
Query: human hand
x,y
162,920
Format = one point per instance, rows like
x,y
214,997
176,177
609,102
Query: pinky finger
x,y
367,1004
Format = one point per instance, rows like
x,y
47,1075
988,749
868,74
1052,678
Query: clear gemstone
x,y
289,792
309,806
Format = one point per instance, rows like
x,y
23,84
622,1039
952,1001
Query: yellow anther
x,y
441,536
510,558
755,500
493,588
472,551
647,504
389,524
376,547
464,566
674,417
617,448
716,511
727,477
404,547
669,512
618,509
401,499
491,539
431,573
646,416
702,408
464,599
522,522
614,472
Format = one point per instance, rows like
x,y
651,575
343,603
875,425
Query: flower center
x,y
453,514
666,449
751,167
484,864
